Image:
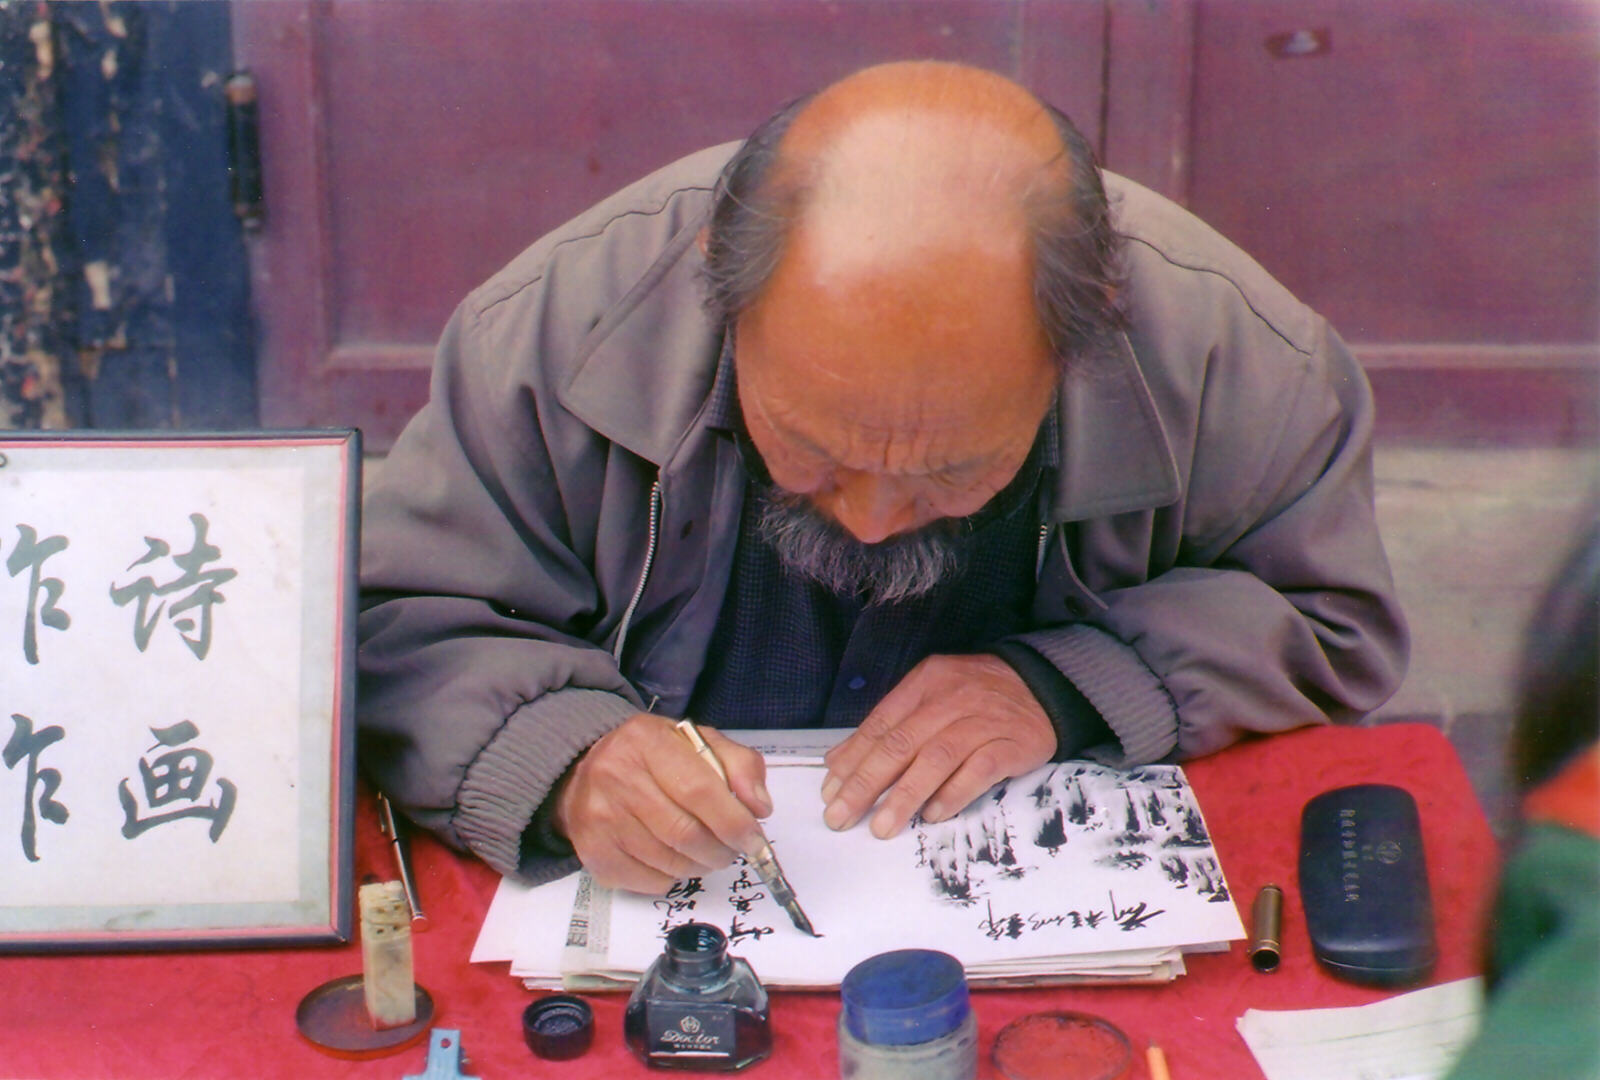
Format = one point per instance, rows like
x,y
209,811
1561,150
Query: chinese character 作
x,y
200,584
30,554
27,743
177,775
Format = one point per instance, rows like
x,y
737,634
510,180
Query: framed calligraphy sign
x,y
177,656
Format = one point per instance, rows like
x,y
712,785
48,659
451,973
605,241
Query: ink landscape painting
x,y
1074,871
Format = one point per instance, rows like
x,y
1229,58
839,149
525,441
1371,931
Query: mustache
x,y
815,547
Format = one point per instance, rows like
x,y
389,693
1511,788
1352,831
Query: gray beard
x,y
813,547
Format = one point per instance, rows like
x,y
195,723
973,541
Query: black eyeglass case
x,y
1364,885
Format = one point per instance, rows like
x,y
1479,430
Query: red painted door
x,y
1422,172
1425,174
409,150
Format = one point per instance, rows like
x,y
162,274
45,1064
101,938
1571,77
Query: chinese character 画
x,y
177,775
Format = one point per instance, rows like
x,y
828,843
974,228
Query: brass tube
x,y
1266,929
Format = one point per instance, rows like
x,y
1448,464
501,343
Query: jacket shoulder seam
x,y
1243,294
480,309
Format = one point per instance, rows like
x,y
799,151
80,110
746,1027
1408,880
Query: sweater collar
x,y
645,375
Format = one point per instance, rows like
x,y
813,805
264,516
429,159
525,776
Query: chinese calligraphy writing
x,y
737,931
27,743
178,775
678,905
679,901
743,892
203,583
1015,924
190,612
30,553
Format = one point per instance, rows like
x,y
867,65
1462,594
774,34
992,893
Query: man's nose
x,y
872,508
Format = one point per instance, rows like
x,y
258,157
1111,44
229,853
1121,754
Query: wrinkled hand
x,y
643,810
954,727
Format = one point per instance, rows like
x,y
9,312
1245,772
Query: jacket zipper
x,y
644,574
1044,549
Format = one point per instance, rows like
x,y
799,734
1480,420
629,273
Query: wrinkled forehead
x,y
935,324
805,392
924,367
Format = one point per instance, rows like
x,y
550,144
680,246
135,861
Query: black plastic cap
x,y
558,1027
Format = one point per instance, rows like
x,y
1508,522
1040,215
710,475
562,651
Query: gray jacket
x,y
549,542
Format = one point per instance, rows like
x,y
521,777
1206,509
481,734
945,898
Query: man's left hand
x,y
954,727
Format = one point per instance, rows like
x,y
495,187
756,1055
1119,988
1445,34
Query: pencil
x,y
1157,1062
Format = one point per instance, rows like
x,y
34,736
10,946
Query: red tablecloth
x,y
231,1014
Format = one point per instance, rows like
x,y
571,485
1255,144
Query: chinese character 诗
x,y
203,583
30,553
27,743
177,775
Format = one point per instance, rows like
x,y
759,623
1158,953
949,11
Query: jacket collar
x,y
644,376
644,372
1115,456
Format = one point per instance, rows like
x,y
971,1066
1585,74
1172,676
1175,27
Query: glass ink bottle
x,y
697,1007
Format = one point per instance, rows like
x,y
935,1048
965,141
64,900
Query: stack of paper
x,y
1073,873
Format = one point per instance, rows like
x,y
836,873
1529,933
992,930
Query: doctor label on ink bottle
x,y
697,1007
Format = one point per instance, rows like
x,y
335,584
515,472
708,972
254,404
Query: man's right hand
x,y
643,810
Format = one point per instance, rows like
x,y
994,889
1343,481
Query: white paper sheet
x,y
1415,1036
790,746
527,925
1074,858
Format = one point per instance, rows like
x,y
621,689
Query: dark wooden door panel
x,y
411,149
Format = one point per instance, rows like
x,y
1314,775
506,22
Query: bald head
x,y
908,150
902,157
879,254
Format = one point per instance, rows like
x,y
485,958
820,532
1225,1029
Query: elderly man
x,y
897,419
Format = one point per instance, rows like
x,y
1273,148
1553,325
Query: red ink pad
x,y
1062,1046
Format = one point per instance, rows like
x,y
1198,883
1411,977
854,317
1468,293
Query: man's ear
x,y
702,240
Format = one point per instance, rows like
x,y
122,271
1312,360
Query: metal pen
x,y
402,857
762,858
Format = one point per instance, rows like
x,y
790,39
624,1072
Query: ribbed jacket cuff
x,y
1076,723
517,770
1123,690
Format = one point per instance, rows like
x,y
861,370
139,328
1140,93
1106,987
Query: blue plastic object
x,y
444,1057
904,997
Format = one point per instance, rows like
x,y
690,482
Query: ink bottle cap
x,y
904,997
558,1027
